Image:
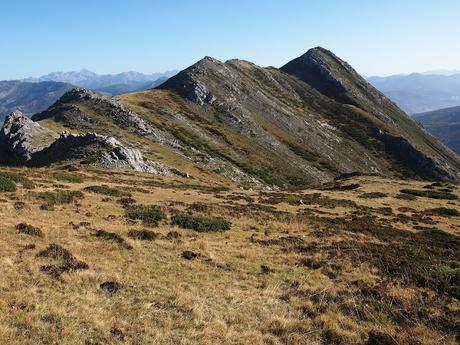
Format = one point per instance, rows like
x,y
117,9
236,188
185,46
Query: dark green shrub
x,y
26,183
200,224
12,176
448,280
142,235
149,213
409,197
106,190
433,194
373,195
59,196
68,178
6,185
443,211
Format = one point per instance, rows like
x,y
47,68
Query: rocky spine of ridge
x,y
25,142
65,111
189,87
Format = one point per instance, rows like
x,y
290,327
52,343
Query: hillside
x,y
103,257
29,98
249,126
444,124
416,93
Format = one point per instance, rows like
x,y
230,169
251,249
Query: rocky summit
x,y
235,122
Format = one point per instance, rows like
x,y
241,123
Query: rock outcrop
x,y
21,138
64,110
25,142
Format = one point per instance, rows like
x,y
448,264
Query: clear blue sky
x,y
378,37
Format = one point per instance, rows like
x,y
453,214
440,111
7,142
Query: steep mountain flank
x,y
236,122
335,78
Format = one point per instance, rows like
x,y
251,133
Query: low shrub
x,y
148,213
111,236
68,178
106,190
12,176
7,185
409,197
200,224
373,195
59,196
28,229
433,194
448,280
17,179
142,235
443,211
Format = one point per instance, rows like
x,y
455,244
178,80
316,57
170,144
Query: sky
x,y
376,37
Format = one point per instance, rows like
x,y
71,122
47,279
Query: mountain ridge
x,y
262,127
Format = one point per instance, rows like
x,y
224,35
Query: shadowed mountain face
x,y
29,98
234,121
444,124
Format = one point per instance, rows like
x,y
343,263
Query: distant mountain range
x,y
91,80
443,124
416,93
113,84
33,95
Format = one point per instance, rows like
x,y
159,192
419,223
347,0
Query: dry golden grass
x,y
254,284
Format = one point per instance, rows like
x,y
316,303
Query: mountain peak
x,y
324,71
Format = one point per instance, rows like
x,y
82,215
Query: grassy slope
x,y
287,272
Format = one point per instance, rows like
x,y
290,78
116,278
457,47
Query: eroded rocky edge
x,y
25,142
